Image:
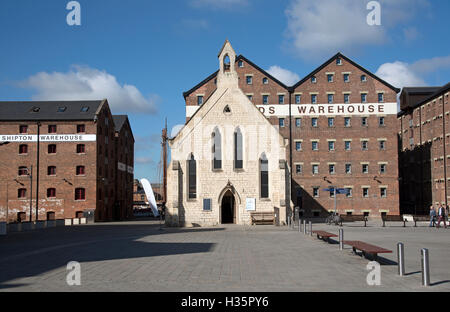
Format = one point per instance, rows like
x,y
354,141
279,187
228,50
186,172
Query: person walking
x,y
441,217
432,216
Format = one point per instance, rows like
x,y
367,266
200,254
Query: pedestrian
x,y
447,210
441,217
432,216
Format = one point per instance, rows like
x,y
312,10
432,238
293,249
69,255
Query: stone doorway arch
x,y
229,202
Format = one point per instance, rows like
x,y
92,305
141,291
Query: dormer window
x,y
84,109
34,109
61,109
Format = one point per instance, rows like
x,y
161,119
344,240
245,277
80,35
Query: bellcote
x,y
227,75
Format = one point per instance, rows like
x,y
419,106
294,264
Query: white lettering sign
x,y
280,110
48,138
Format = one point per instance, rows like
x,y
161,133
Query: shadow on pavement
x,y
38,252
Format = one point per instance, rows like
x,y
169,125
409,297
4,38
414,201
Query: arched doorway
x,y
228,208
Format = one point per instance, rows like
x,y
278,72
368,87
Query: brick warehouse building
x,y
424,148
341,124
86,158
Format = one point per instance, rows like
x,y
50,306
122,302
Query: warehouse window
x,y
298,169
80,194
265,80
364,122
84,109
314,122
381,122
313,79
199,99
363,78
249,79
280,99
315,145
365,192
52,129
315,169
298,122
346,98
23,171
365,168
52,148
264,176
347,122
315,192
217,149
281,122
21,193
348,168
241,64
313,99
364,145
51,170
81,148
298,99
382,168
51,193
23,129
192,177
81,128
80,170
23,149
238,150
265,99
383,192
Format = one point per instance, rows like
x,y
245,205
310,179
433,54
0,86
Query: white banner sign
x,y
282,110
329,109
48,138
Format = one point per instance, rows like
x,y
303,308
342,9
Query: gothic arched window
x,y
192,177
217,149
264,176
238,150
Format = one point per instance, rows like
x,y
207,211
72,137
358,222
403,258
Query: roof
x,y
437,93
119,121
49,110
239,58
339,54
420,90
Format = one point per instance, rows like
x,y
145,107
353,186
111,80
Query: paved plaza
x,y
138,256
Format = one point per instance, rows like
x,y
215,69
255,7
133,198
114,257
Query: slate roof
x,y
49,110
119,121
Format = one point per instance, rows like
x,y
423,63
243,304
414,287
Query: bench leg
x,y
365,223
404,223
415,223
384,223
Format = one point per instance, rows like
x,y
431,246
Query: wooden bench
x,y
393,218
324,235
367,248
353,218
263,217
420,219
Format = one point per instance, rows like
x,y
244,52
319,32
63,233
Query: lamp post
x,y
37,176
30,174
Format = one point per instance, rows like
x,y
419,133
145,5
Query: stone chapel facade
x,y
228,160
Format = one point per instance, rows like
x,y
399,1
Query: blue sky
x,y
142,55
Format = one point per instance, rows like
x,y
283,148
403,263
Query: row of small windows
x,y
347,169
364,191
80,193
249,80
347,145
298,98
346,78
52,129
51,149
51,170
332,123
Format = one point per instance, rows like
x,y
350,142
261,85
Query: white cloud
x,y
318,28
143,160
218,4
85,83
401,74
175,130
285,76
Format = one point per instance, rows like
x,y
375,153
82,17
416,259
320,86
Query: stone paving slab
x,y
137,256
